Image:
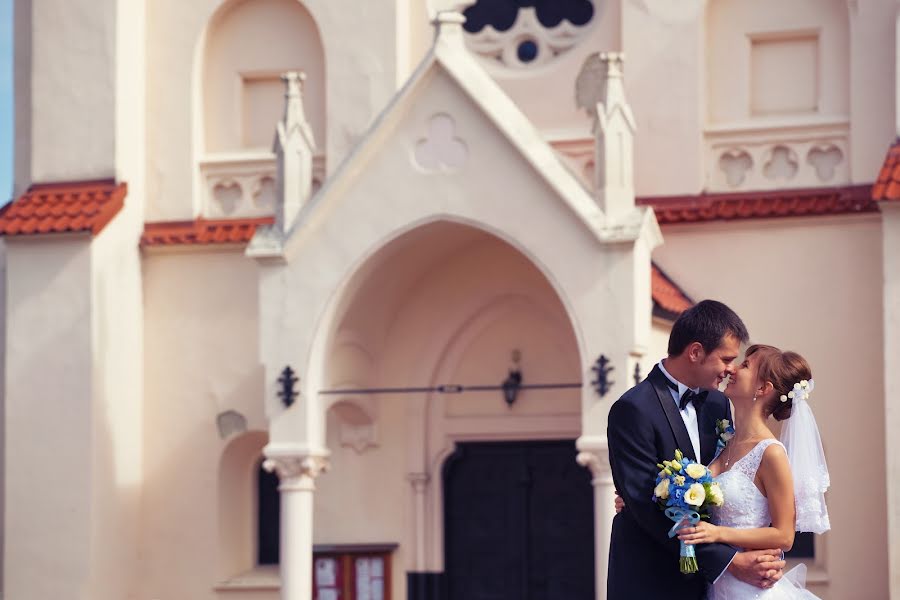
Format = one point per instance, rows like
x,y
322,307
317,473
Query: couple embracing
x,y
771,488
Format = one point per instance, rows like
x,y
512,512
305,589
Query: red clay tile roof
x,y
887,186
669,300
201,231
63,207
761,205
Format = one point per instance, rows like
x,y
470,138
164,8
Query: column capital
x,y
597,461
297,471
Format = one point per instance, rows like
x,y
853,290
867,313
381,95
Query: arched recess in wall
x,y
249,43
238,493
772,59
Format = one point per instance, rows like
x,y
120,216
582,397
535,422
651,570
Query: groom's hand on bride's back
x,y
761,568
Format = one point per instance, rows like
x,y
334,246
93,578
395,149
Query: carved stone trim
x,y
598,463
297,472
419,481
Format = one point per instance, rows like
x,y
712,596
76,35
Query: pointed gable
x,y
449,63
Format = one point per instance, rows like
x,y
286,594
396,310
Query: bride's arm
x,y
778,486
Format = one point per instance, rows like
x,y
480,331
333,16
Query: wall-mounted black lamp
x,y
511,386
513,381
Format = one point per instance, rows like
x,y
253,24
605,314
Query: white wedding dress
x,y
746,508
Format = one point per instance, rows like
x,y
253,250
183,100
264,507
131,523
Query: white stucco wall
x,y
63,42
891,245
50,426
813,286
201,359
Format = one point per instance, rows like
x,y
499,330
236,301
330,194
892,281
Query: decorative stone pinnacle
x,y
614,62
448,15
293,105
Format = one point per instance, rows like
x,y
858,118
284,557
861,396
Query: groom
x,y
669,410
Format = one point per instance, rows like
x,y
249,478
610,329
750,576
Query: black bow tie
x,y
698,398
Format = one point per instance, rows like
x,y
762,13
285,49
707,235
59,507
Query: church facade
x,y
329,300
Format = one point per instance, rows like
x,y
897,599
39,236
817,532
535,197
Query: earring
x,y
754,397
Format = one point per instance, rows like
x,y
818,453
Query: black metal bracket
x,y
637,373
450,388
602,383
287,381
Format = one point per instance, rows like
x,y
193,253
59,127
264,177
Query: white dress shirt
x,y
688,414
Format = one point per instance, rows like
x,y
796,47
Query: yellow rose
x,y
695,495
662,489
716,498
695,471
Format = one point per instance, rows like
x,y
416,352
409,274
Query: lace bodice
x,y
745,507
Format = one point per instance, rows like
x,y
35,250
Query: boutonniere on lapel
x,y
724,433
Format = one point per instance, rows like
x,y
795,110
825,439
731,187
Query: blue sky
x,y
6,100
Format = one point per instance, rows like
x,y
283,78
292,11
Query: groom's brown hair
x,y
707,322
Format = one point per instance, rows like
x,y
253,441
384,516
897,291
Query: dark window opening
x,y
804,546
268,517
501,14
527,51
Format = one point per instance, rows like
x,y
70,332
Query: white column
x,y
297,476
419,483
597,460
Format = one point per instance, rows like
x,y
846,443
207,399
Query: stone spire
x,y
613,141
294,147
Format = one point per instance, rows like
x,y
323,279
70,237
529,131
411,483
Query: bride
x,y
771,487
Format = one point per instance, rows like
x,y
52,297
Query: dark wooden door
x,y
519,522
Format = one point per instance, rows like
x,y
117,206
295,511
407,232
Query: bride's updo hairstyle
x,y
783,370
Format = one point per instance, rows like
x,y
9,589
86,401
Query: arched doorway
x,y
443,304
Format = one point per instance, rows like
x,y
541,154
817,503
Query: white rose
x,y
716,498
679,480
695,495
662,489
726,436
695,471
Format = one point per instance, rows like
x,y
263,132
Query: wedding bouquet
x,y
685,490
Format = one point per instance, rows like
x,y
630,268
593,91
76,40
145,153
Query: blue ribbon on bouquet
x,y
684,518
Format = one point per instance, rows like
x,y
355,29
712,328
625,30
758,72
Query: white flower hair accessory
x,y
800,392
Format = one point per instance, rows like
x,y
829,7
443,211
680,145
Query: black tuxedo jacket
x,y
644,428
